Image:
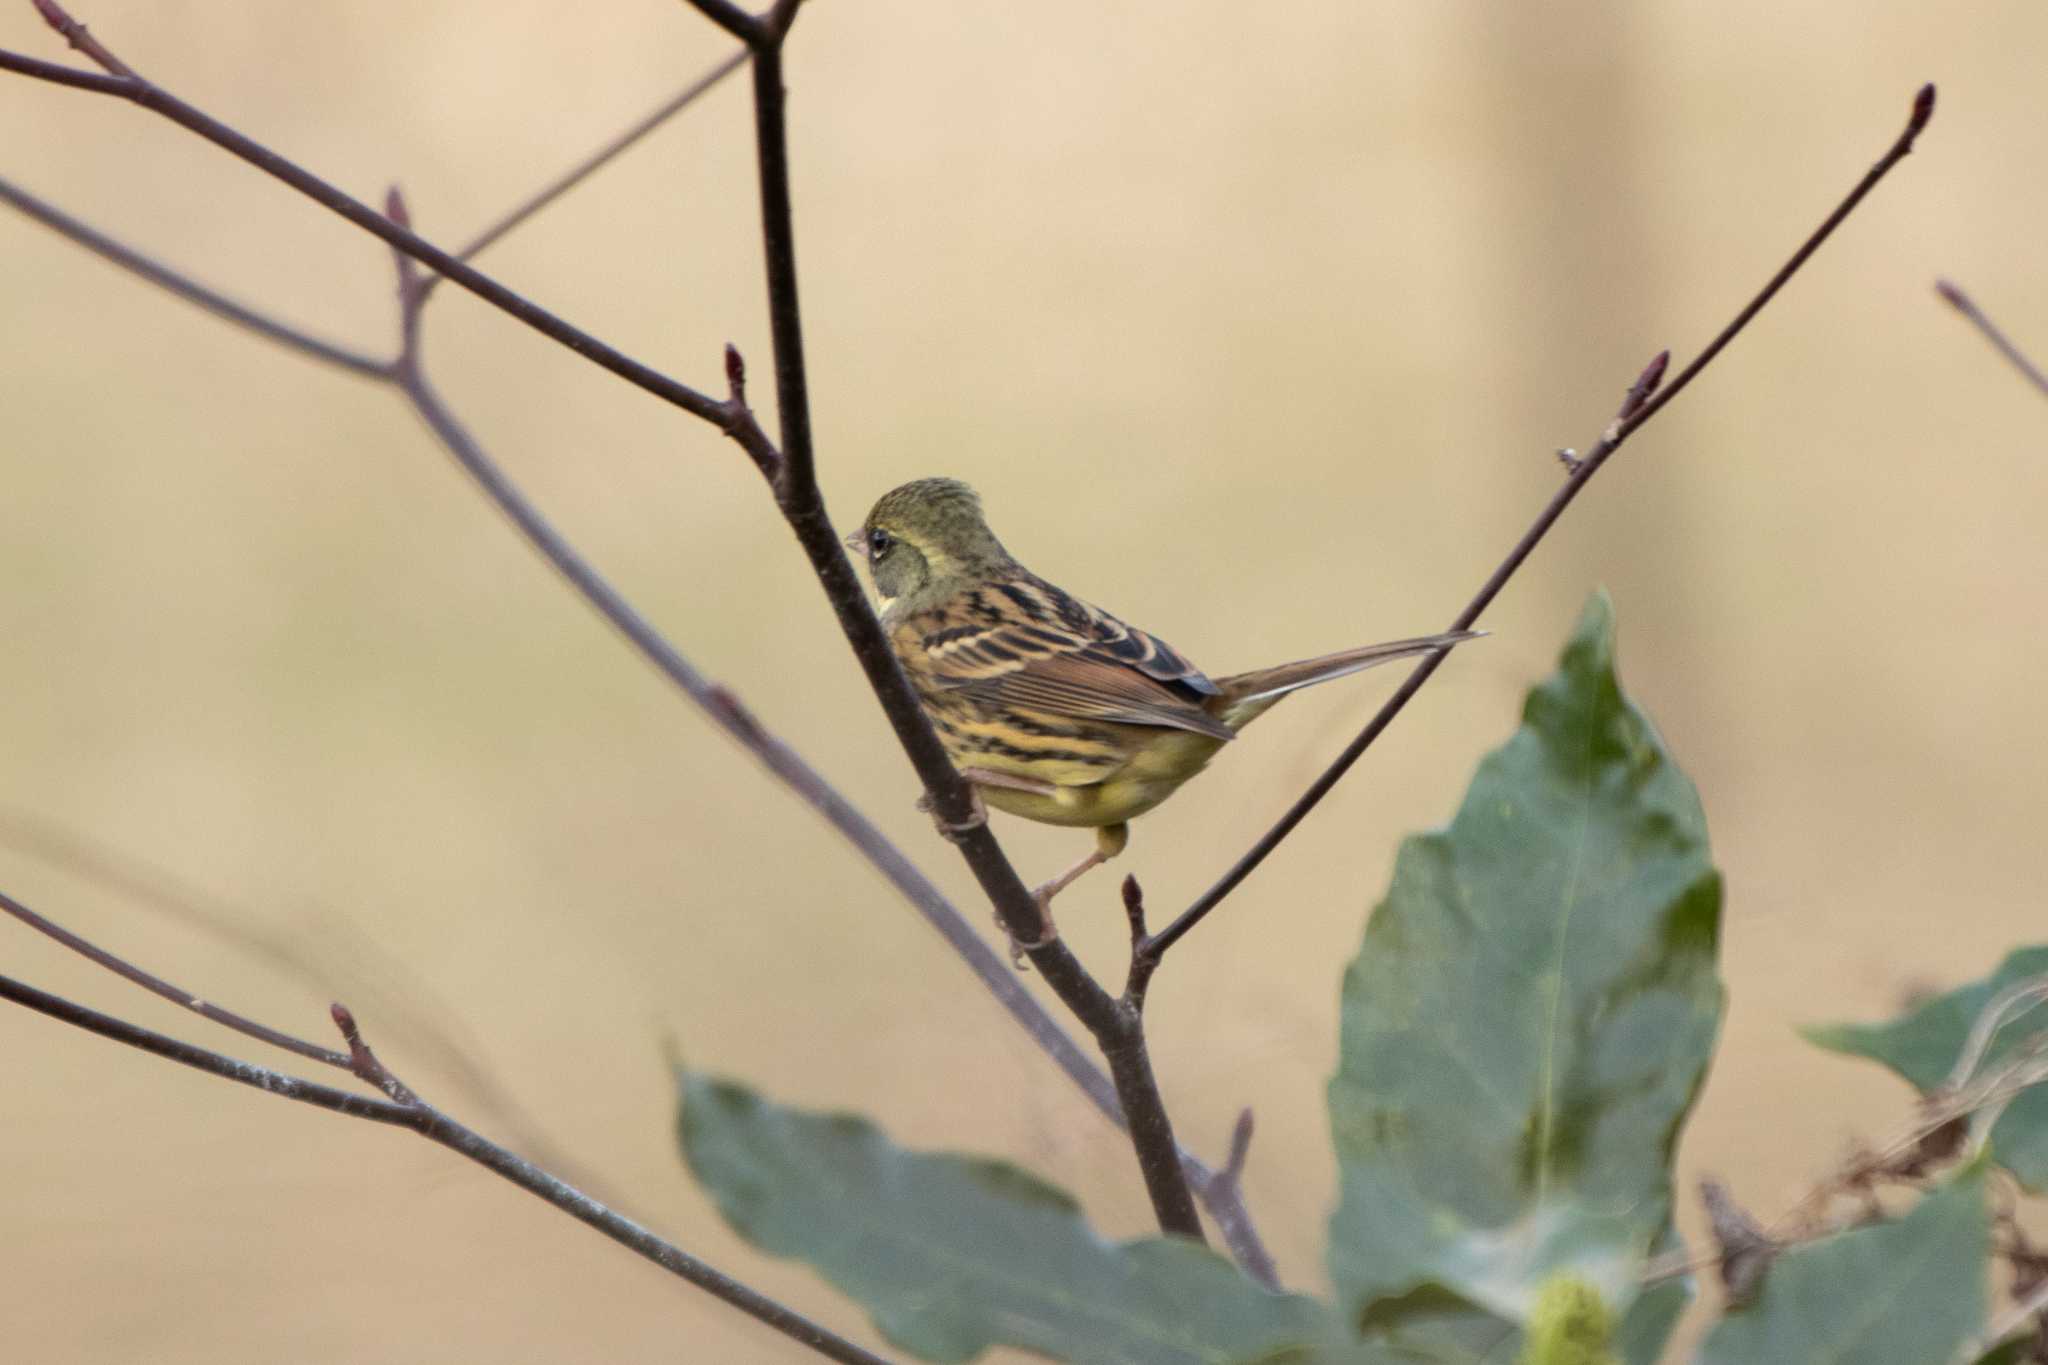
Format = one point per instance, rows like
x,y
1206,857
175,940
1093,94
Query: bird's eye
x,y
879,542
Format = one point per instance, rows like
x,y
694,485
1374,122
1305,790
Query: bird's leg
x,y
1109,841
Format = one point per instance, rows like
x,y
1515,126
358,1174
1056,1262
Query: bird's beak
x,y
851,540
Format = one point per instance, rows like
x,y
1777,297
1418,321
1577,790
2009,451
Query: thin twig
x,y
732,19
594,162
81,41
1142,965
364,1065
1225,1190
427,1026
220,305
156,985
1644,401
430,1123
126,84
1963,304
56,73
775,23
186,1054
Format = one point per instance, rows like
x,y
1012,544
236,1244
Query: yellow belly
x,y
1138,767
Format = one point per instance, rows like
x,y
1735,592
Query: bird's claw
x,y
953,831
1048,934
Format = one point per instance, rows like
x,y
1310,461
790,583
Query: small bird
x,y
1053,709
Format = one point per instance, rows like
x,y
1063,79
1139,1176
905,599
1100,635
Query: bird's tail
x,y
1247,695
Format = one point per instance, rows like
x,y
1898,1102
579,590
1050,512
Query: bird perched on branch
x,y
1050,708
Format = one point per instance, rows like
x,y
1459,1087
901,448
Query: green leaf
x,y
1526,1026
1651,1319
1654,1315
2015,1351
1922,1045
954,1254
1908,1292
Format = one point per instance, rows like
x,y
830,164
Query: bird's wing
x,y
1022,642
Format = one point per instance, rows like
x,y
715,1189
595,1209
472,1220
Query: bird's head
x,y
925,541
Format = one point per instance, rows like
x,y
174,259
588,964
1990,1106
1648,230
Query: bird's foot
x,y
1048,932
953,831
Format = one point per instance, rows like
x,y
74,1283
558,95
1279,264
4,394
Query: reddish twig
x,y
156,985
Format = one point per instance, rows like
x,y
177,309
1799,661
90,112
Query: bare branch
x,y
80,40
594,162
363,1063
185,1054
221,306
775,23
1151,1131
56,73
156,985
430,1123
733,20
1644,400
1962,303
297,948
136,90
1143,963
1225,1191
741,424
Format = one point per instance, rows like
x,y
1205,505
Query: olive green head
x,y
924,542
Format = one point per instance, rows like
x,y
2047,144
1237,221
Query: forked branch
x,y
123,82
401,1108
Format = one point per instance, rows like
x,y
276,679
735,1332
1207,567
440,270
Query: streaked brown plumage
x,y
1055,710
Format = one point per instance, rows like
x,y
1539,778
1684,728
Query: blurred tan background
x,y
1261,333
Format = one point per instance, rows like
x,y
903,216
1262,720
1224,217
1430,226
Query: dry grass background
x,y
1256,325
